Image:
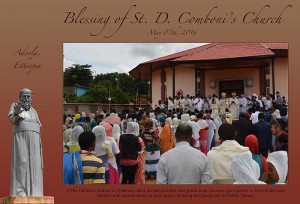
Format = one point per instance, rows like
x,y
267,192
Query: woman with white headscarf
x,y
116,131
278,168
218,122
203,133
155,123
68,130
130,145
140,172
175,122
103,148
112,163
73,145
166,137
185,118
245,170
211,132
276,114
195,128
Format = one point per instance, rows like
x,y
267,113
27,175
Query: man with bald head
x,y
26,161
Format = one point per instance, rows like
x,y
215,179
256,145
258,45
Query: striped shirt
x,y
92,168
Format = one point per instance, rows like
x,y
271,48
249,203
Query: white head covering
x,y
244,169
169,121
175,122
185,118
203,124
152,115
195,128
67,135
102,123
83,114
280,161
133,128
76,131
277,113
137,129
100,133
193,117
116,131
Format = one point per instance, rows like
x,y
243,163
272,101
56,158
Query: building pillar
x,y
150,79
173,77
202,82
273,76
262,80
163,79
196,81
139,88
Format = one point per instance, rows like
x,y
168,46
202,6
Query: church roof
x,y
228,51
213,52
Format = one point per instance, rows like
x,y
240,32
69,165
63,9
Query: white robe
x,y
215,106
234,108
245,170
26,159
243,104
279,160
220,159
211,132
224,103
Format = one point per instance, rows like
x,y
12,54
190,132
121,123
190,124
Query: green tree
x,y
78,75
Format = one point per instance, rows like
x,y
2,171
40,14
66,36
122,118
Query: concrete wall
x,y
216,75
185,80
156,85
281,76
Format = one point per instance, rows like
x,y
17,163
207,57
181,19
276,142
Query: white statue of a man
x,y
27,159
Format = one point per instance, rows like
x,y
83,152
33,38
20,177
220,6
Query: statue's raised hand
x,y
17,108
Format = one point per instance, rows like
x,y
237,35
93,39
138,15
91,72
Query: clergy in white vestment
x,y
243,104
234,106
224,103
215,104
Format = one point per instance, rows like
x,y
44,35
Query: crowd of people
x,y
216,141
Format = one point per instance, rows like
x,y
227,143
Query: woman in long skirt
x,y
112,164
151,139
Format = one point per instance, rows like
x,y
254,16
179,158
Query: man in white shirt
x,y
199,103
170,103
254,117
183,164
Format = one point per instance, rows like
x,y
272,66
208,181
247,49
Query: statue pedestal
x,y
27,199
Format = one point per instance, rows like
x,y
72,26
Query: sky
x,y
118,57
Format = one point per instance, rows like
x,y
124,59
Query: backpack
x,y
72,168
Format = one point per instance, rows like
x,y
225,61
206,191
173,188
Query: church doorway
x,y
229,86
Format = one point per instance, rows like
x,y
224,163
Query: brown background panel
x,y
39,23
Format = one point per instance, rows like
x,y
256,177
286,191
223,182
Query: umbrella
x,y
112,120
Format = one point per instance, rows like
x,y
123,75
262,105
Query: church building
x,y
248,68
